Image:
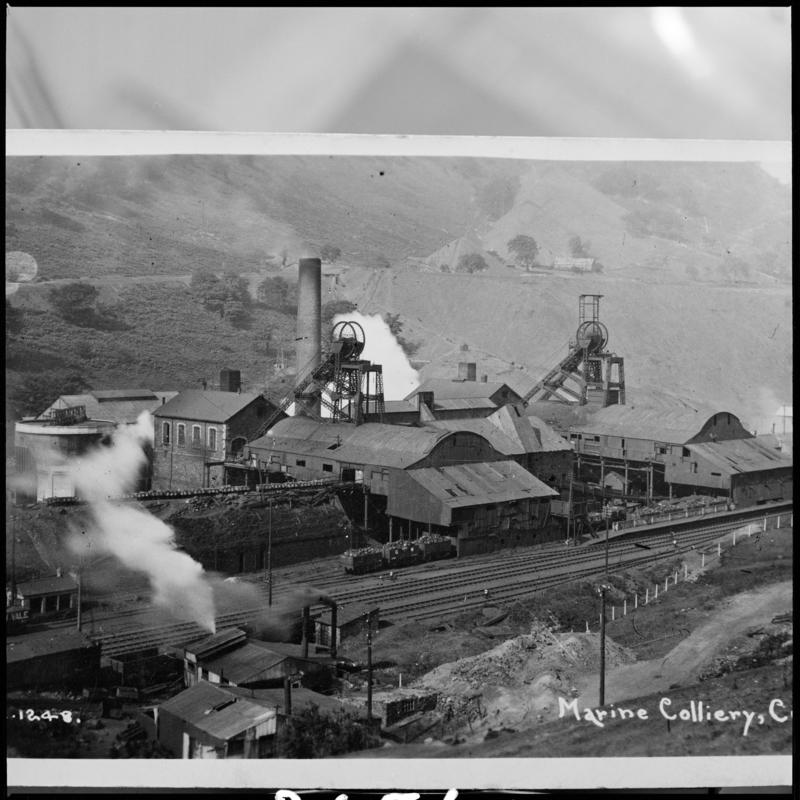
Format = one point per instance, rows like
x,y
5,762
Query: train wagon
x,y
362,560
401,554
434,546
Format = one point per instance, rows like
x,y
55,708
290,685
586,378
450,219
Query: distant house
x,y
574,264
199,431
615,482
462,398
43,596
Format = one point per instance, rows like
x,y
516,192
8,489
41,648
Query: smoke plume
x,y
140,541
381,347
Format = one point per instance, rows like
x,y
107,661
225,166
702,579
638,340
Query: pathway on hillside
x,y
683,663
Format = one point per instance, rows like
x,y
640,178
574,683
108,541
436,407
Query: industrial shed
x,y
749,471
47,660
207,721
484,505
638,442
229,657
526,439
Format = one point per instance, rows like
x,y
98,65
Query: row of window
x,y
197,435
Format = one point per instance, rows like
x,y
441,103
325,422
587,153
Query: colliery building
x,y
750,471
198,431
637,445
418,479
71,426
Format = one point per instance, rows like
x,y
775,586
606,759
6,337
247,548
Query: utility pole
x,y
269,556
14,560
602,693
569,508
369,668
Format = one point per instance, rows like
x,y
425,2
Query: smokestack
x,y
309,319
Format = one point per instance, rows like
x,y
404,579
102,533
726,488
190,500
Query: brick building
x,y
199,431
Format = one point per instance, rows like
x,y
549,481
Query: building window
x,y
694,467
212,438
327,467
165,433
300,462
196,440
181,435
717,474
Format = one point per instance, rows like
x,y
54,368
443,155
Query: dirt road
x,y
684,662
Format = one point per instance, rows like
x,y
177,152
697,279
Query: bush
x,y
312,735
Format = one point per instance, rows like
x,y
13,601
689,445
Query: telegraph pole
x,y
269,556
602,692
369,668
13,559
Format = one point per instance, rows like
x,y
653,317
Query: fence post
x,y
636,600
779,521
676,576
655,594
719,549
666,583
625,607
765,522
646,596
587,626
685,571
703,561
734,537
613,613
687,512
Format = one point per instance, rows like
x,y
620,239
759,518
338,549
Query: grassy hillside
x,y
696,265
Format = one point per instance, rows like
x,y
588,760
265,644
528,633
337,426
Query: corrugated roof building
x,y
749,471
207,721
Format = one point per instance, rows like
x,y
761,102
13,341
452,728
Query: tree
x,y
334,307
396,328
329,253
209,290
37,391
524,249
579,248
277,293
235,312
74,300
471,262
312,735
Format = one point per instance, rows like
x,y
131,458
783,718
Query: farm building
x,y
199,431
564,264
749,471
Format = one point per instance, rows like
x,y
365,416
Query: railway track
x,y
447,587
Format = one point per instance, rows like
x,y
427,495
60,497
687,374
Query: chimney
x,y
230,380
308,342
467,370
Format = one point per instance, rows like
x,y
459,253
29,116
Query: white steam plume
x,y
381,347
139,540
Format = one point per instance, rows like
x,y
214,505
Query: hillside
x,y
696,266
